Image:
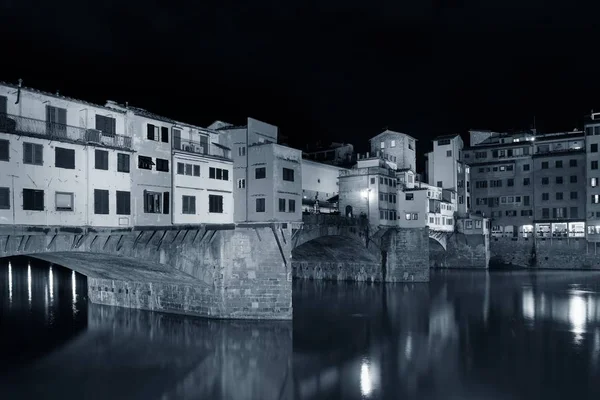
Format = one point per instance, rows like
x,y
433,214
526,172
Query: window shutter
x,y
166,202
146,201
113,126
3,108
150,131
39,154
164,134
49,114
62,116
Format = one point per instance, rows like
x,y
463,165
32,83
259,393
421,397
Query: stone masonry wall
x,y
222,273
407,255
462,251
548,254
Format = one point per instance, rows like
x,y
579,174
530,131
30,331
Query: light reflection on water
x,y
350,341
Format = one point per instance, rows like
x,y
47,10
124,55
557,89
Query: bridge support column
x,y
462,251
407,255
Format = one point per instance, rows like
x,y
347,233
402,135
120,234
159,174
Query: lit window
x,y
594,182
383,145
393,143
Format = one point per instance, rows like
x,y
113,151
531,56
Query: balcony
x,y
61,132
203,148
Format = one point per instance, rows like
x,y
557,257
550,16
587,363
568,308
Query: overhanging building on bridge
x,y
267,176
67,162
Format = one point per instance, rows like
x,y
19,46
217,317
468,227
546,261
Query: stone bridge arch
x,y
206,270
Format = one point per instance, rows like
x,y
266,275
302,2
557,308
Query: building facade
x,y
202,177
267,176
63,161
370,190
592,176
529,183
320,186
446,169
396,147
341,154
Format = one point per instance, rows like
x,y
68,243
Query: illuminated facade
x,y
529,183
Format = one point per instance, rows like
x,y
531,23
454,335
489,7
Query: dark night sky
x,y
336,70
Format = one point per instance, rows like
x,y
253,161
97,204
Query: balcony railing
x,y
30,126
204,148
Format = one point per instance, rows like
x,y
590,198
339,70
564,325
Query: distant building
x,y
396,147
445,169
340,154
369,190
320,187
528,182
63,161
592,176
267,176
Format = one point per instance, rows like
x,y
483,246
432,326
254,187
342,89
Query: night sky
x,y
332,70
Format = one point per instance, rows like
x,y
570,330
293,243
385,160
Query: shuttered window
x,y
56,121
64,158
150,132
166,202
100,201
4,198
102,159
189,204
164,134
33,153
33,199
260,205
123,162
162,165
107,125
215,204
123,203
4,153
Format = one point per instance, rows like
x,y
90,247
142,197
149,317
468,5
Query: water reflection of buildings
x,y
400,335
576,309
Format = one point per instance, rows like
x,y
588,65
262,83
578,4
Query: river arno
x,y
465,335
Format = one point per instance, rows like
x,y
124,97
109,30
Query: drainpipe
x,y
247,175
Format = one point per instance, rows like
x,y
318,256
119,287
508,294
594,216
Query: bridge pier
x,y
340,248
238,272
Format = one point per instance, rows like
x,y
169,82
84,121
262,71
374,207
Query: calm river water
x,y
465,335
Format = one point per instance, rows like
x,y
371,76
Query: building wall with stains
x,y
150,185
48,169
192,178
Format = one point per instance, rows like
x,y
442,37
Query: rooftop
x,y
55,95
388,131
450,136
230,127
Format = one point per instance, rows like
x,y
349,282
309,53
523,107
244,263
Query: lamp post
x,y
367,195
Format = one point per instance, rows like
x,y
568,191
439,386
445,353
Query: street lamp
x,y
367,195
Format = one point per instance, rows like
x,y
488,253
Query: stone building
x,y
396,147
267,176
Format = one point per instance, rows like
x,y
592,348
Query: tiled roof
x,y
57,96
451,136
230,127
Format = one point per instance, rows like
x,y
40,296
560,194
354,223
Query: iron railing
x,y
23,125
204,148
